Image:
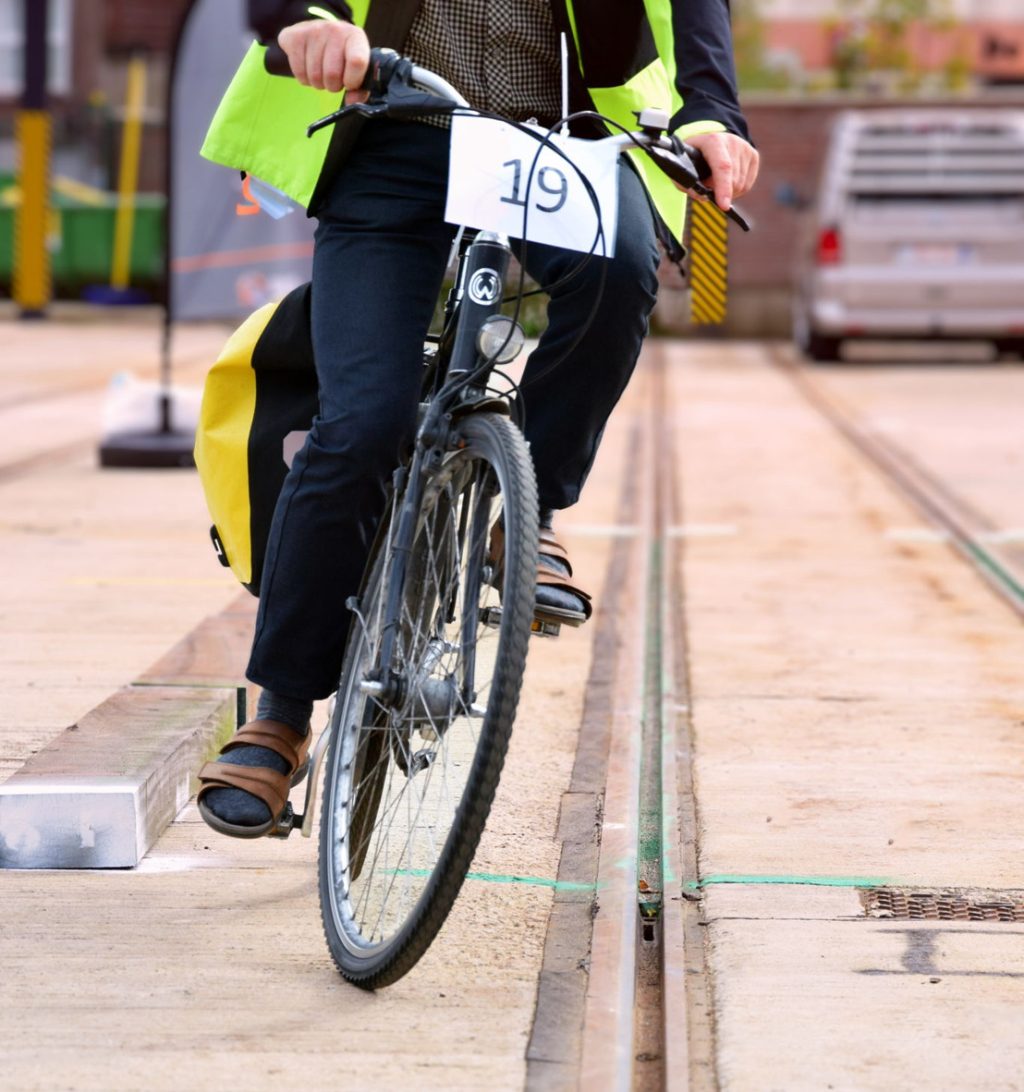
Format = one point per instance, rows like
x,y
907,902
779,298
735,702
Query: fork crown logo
x,y
485,287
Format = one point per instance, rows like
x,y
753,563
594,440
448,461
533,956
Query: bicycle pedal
x,y
286,824
420,761
491,616
540,628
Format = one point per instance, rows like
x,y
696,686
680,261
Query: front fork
x,y
479,291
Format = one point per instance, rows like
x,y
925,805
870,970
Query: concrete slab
x,y
206,965
812,1004
111,567
101,794
857,703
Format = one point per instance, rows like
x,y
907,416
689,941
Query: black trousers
x,y
381,250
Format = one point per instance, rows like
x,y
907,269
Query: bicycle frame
x,y
461,382
459,386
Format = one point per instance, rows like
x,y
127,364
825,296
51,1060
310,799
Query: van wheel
x,y
1010,346
816,346
821,348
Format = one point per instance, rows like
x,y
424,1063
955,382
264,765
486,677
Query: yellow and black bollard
x,y
709,264
32,280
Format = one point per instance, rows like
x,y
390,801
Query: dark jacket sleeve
x,y
269,17
705,69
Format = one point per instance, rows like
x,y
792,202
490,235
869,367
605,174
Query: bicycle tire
x,y
462,618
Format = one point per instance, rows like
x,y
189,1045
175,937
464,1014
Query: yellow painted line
x,y
149,582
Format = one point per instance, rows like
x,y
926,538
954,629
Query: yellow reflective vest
x,y
624,60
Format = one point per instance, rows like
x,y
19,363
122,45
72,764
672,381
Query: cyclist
x,y
378,192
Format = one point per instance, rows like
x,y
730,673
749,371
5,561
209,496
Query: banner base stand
x,y
148,450
106,296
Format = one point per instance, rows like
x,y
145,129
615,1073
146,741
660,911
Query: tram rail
x,y
970,531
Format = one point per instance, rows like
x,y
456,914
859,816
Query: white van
x,y
918,231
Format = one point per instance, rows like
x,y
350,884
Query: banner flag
x,y
226,256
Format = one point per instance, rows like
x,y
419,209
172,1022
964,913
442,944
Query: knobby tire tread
x,y
504,443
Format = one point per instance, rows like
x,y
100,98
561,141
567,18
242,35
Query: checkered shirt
x,y
502,55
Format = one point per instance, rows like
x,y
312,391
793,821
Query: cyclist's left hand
x,y
734,165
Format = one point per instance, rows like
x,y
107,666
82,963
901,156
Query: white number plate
x,y
490,186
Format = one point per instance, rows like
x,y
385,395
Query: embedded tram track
x,y
673,1023
955,519
648,1014
636,945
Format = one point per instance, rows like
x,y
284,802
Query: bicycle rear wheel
x,y
410,782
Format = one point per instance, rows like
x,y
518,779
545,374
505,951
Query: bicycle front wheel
x,y
410,780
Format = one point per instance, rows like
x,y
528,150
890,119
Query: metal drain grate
x,y
887,902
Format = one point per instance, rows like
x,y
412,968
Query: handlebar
x,y
390,82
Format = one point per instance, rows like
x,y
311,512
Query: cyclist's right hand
x,y
328,55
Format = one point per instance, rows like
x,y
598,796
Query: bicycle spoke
x,y
409,757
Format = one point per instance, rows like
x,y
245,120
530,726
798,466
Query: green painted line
x,y
807,881
986,561
531,881
498,877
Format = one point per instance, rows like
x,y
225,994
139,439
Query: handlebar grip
x,y
275,61
381,68
384,63
700,164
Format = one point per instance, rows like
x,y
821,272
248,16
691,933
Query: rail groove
x,y
930,497
639,1016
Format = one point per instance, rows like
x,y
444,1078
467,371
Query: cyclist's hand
x,y
734,165
328,55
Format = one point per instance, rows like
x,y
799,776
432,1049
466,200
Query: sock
x,y
295,712
236,805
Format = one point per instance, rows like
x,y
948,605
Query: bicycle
x,y
434,664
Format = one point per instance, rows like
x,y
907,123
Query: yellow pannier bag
x,y
259,401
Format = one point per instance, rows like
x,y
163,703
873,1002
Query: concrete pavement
x,y
856,708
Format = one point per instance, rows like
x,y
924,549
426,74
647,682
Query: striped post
x,y
128,176
709,264
32,280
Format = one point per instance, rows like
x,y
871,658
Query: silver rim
x,y
403,771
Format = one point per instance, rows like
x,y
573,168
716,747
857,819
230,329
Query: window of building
x,y
12,47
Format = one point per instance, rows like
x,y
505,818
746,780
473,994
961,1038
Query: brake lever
x,y
362,109
674,165
401,100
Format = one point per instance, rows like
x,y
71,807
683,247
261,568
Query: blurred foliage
x,y
753,68
871,50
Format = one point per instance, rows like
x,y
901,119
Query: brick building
x,y
90,42
984,38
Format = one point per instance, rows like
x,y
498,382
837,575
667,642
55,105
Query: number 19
x,y
559,188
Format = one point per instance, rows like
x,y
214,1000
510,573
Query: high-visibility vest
x,y
260,124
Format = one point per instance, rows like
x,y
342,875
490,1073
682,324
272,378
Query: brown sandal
x,y
265,784
554,576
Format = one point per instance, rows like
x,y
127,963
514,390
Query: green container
x,y
83,242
